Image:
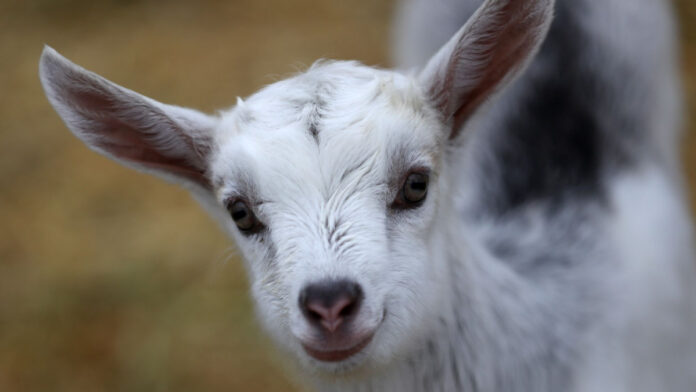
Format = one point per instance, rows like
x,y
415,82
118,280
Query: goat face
x,y
334,177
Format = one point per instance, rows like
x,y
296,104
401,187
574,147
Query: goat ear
x,y
165,140
490,50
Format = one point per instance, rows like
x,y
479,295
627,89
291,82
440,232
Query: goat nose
x,y
329,303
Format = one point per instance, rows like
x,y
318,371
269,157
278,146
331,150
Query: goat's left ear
x,y
493,48
165,140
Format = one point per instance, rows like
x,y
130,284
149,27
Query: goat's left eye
x,y
244,217
413,191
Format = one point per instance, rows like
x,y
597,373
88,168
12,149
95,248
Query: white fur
x,y
649,341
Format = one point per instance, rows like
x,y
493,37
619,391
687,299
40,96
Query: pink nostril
x,y
329,304
331,317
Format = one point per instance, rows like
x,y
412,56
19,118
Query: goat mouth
x,y
337,355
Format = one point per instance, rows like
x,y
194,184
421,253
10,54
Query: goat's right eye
x,y
244,217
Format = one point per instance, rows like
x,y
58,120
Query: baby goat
x,y
434,232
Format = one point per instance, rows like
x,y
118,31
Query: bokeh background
x,y
111,280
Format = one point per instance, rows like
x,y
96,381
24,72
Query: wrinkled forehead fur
x,y
335,128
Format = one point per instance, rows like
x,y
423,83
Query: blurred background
x,y
111,280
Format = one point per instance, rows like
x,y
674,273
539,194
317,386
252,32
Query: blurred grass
x,y
111,280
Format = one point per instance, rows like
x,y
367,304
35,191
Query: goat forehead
x,y
337,121
288,165
339,91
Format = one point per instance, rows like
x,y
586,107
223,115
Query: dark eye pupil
x,y
418,186
239,214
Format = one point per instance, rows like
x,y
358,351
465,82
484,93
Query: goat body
x,y
510,218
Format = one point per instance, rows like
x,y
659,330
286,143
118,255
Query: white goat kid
x,y
380,250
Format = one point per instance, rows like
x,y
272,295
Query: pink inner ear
x,y
116,129
124,143
494,47
509,47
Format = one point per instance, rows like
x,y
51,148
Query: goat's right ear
x,y
492,48
169,141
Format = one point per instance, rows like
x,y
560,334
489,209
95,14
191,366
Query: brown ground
x,y
111,280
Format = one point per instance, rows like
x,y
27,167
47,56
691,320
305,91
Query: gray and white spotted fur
x,y
554,249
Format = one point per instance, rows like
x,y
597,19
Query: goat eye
x,y
415,187
243,216
413,191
